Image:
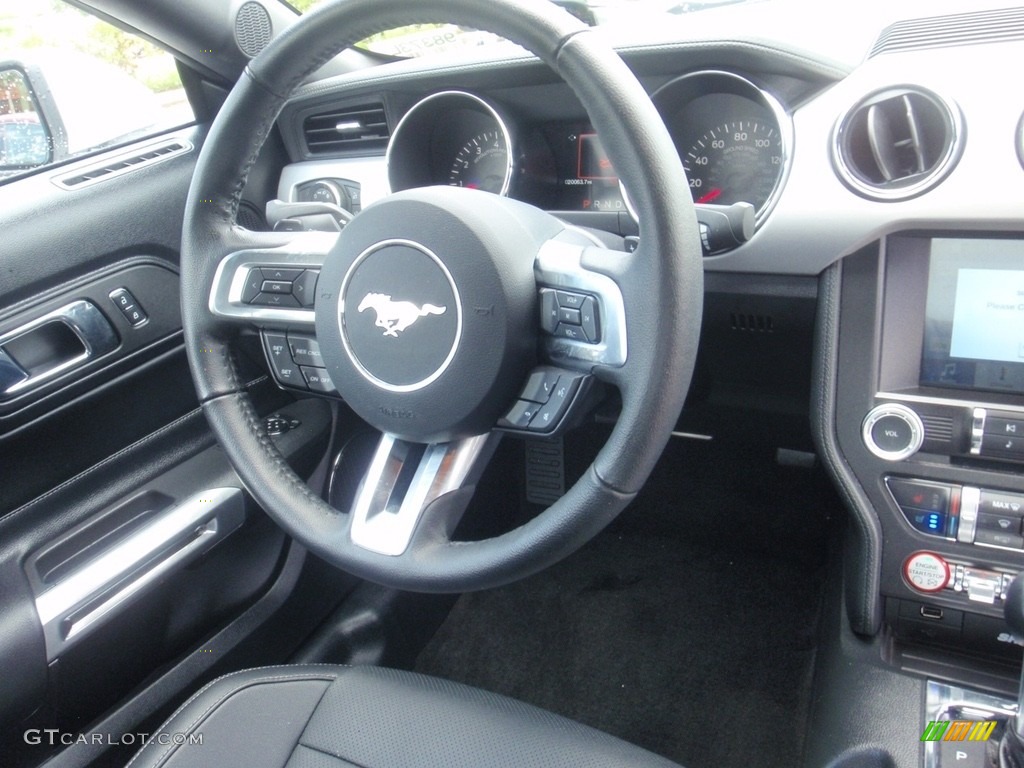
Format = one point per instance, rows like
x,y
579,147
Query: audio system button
x,y
892,432
1007,427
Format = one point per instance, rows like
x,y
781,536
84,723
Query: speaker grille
x,y
252,28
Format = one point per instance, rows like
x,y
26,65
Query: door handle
x,y
55,343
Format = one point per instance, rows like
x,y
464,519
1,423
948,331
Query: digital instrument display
x,y
974,320
586,177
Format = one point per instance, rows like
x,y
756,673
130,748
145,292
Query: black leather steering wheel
x,y
477,260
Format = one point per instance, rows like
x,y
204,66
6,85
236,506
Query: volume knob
x,y
893,432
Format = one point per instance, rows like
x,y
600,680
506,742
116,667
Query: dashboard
x,y
882,191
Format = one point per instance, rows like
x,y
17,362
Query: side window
x,y
71,83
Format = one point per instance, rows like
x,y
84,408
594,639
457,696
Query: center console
x,y
919,417
929,422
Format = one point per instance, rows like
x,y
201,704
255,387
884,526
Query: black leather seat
x,y
322,716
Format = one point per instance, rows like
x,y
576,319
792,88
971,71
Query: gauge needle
x,y
710,196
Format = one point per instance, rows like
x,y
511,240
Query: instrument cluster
x,y
734,140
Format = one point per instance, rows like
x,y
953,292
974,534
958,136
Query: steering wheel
x,y
459,281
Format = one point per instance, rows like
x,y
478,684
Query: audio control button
x,y
1006,427
926,572
892,432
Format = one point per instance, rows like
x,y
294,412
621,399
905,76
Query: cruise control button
x,y
589,320
318,380
549,310
275,300
520,416
305,350
304,287
284,368
539,386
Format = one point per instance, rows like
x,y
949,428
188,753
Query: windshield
x,y
431,39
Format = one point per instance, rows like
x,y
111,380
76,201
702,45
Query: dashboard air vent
x,y
994,26
347,129
897,144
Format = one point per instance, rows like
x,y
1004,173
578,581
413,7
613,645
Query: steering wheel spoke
x,y
407,482
272,280
582,311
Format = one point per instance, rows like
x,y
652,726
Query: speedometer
x,y
737,161
734,138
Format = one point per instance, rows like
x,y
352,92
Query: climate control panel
x,y
963,513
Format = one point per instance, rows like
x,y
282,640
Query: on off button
x,y
926,572
892,431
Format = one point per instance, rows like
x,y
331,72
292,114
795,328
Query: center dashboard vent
x,y
898,143
347,129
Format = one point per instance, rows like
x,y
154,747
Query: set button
x,y
296,362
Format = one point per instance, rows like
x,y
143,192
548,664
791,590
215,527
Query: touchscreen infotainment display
x,y
974,324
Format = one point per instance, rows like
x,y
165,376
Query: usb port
x,y
931,612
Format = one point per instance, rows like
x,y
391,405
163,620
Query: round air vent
x,y
897,143
252,28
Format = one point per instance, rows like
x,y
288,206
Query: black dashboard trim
x,y
863,546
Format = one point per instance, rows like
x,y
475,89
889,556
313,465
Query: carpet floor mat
x,y
698,647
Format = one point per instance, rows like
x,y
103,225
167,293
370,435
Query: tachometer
x,y
482,163
737,161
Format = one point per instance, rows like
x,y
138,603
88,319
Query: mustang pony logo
x,y
396,316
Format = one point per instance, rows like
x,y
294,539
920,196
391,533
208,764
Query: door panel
x,y
85,455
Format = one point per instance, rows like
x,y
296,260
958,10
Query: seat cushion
x,y
321,716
